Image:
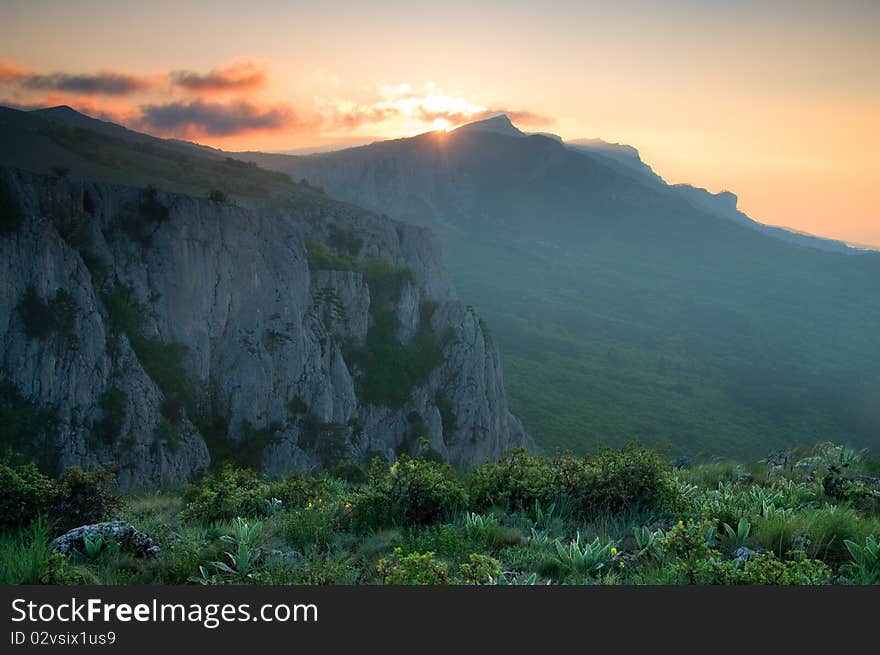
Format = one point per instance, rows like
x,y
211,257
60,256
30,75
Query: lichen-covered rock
x,y
123,533
236,335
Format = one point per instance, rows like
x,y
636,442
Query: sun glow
x,y
441,125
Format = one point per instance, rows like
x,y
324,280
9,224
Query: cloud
x,y
237,76
105,83
201,118
10,72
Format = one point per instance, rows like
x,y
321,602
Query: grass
x,y
318,536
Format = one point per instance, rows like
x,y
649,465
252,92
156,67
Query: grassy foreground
x,y
619,517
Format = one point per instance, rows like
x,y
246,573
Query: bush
x,y
618,481
412,491
84,498
412,569
226,494
27,494
479,569
766,569
514,483
349,472
11,216
216,195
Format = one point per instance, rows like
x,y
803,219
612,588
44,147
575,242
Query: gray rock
x,y
122,532
744,478
777,460
261,332
744,553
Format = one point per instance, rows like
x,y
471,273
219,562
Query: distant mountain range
x,y
623,306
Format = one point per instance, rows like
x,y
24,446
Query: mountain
x,y
626,307
166,332
61,140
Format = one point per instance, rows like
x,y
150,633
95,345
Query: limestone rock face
x,y
263,340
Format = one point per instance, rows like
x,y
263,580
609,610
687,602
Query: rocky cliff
x,y
159,330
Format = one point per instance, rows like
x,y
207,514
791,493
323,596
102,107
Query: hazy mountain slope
x,y
622,306
47,140
164,332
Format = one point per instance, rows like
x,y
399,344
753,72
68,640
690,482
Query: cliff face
x,y
151,324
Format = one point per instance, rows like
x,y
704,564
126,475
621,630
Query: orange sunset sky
x,y
777,101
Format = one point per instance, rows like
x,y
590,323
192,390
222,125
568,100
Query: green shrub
x,y
320,258
84,498
226,494
313,527
216,195
26,494
479,569
617,481
389,369
350,472
515,482
412,569
766,569
412,491
11,216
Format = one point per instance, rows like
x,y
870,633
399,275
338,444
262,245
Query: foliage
x,y
410,491
765,569
479,569
618,480
225,494
217,195
865,565
412,569
516,482
413,523
584,558
245,555
84,498
27,493
25,557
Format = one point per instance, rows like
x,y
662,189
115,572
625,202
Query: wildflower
x,y
613,551
680,523
622,565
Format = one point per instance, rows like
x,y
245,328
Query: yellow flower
x,y
621,564
680,523
613,551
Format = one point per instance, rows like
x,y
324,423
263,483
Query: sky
x,y
777,101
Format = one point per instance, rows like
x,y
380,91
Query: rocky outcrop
x,y
122,533
174,322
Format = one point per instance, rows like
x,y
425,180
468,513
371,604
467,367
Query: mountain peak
x,y
499,124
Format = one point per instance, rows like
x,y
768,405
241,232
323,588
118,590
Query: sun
x,y
441,125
